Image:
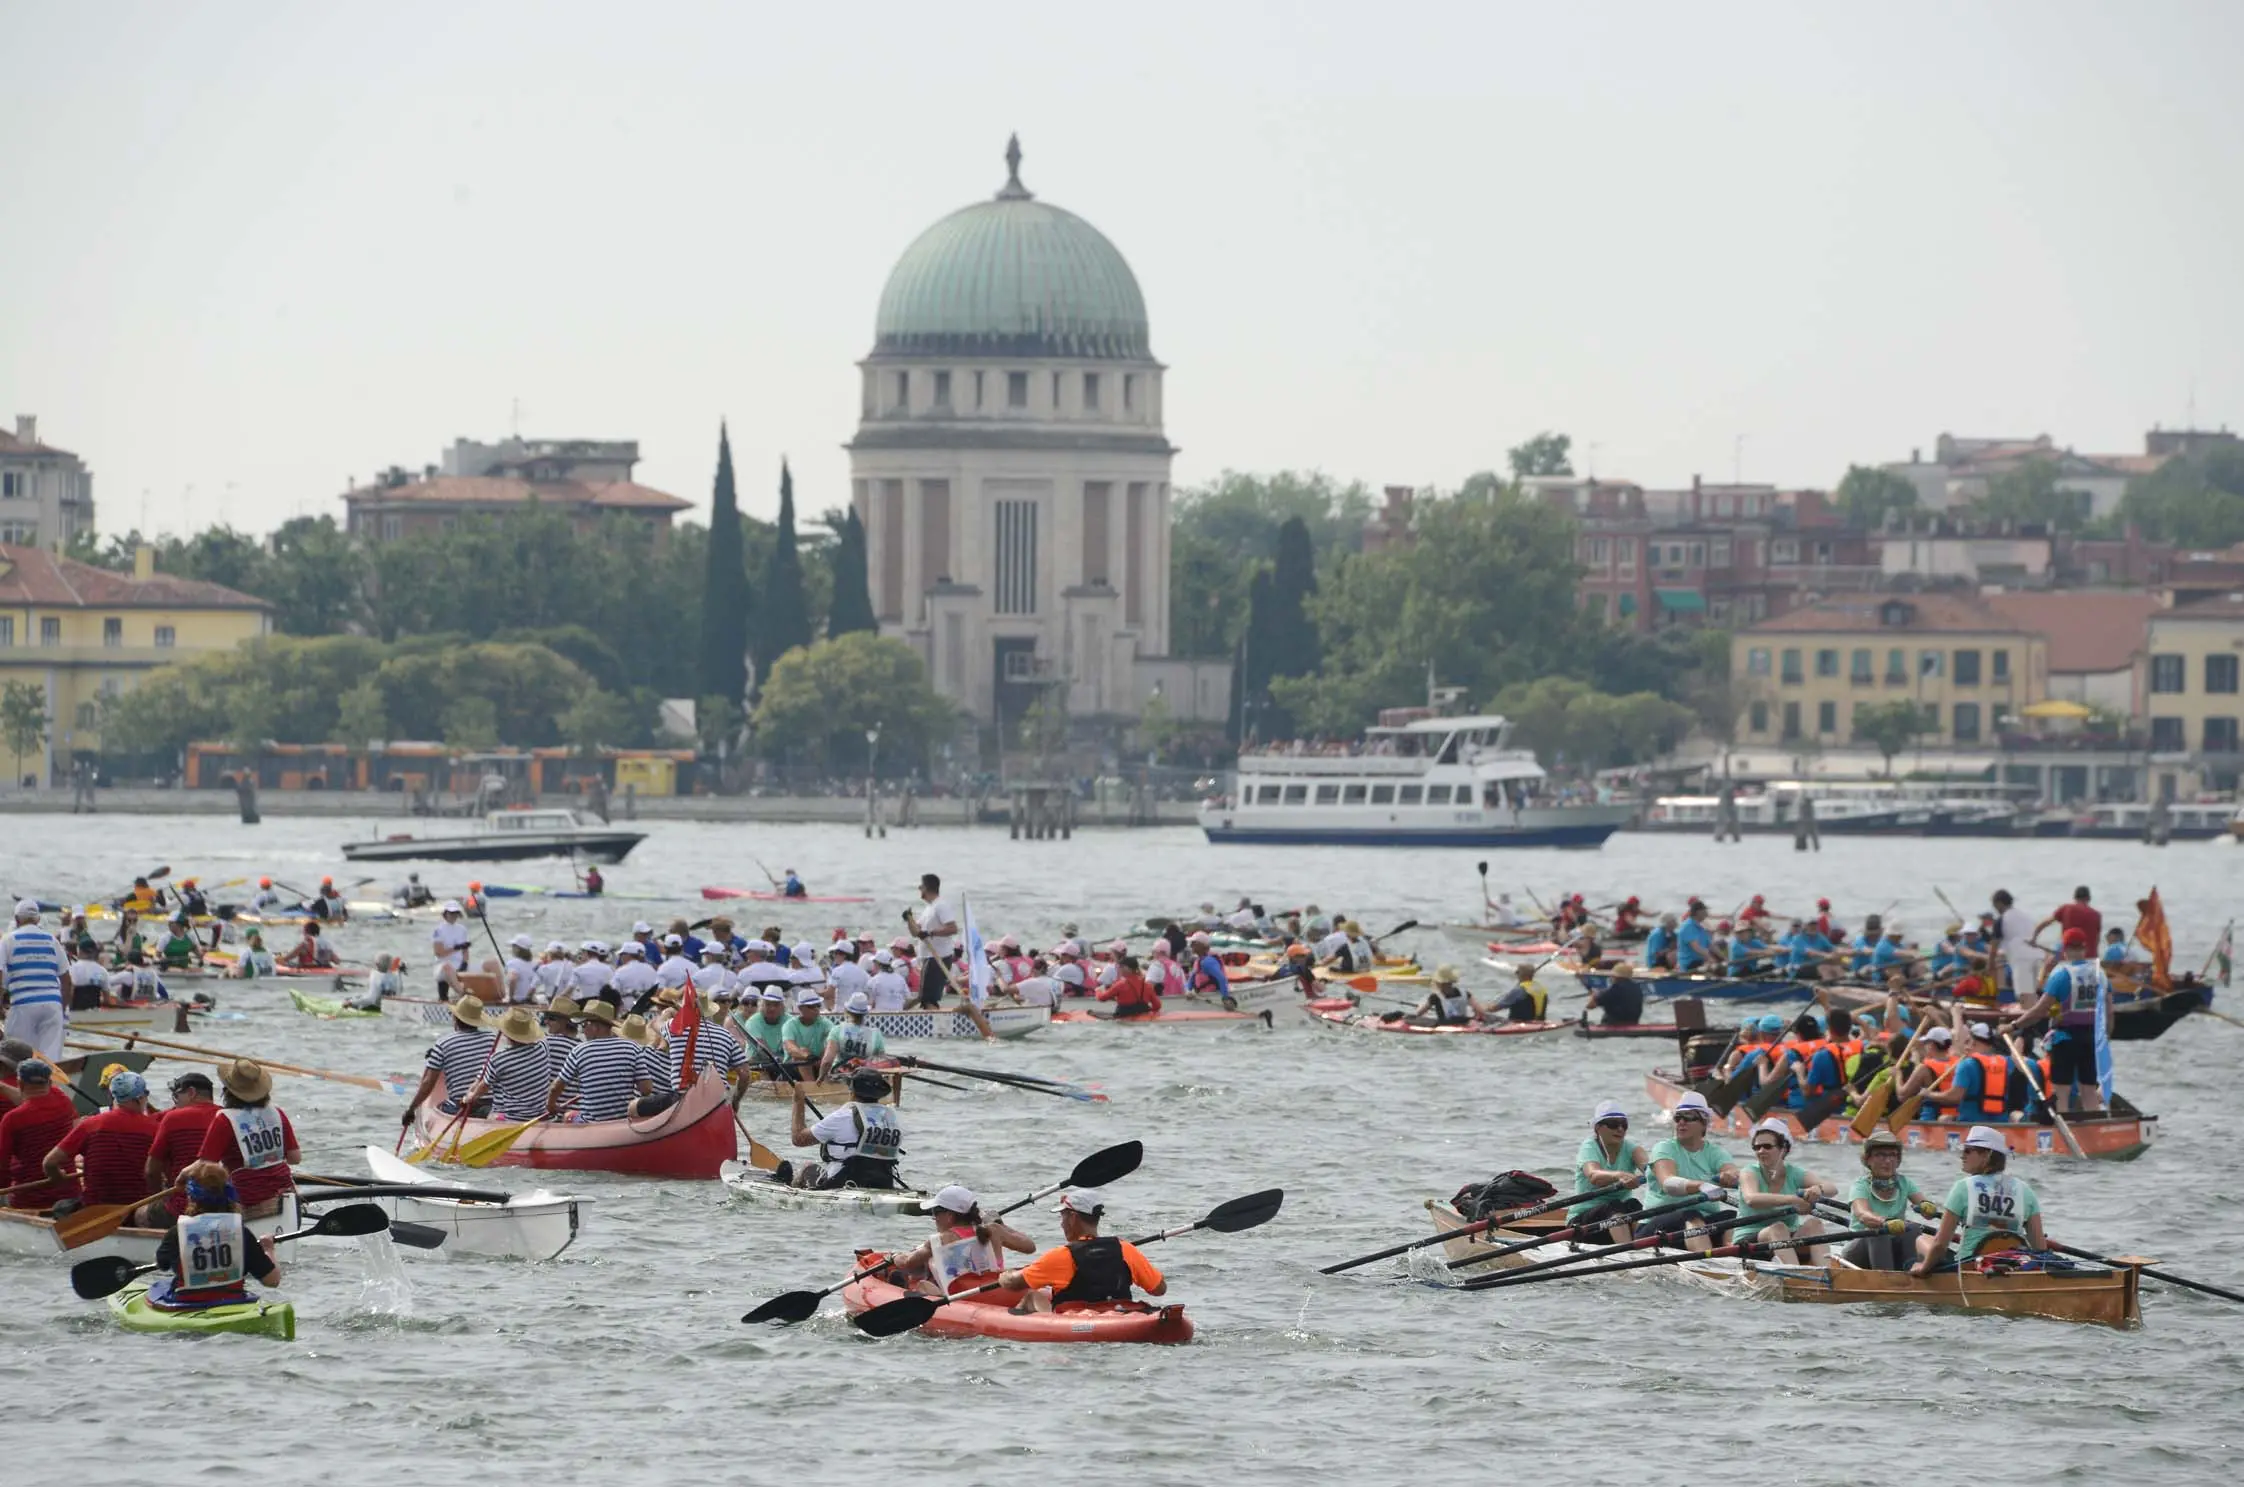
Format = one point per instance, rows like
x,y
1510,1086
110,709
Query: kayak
x,y
1168,1016
991,1315
327,1006
255,1318
1349,1020
761,1187
767,897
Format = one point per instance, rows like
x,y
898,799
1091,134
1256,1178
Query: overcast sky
x,y
253,251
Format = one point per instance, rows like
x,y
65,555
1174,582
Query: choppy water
x,y
625,1360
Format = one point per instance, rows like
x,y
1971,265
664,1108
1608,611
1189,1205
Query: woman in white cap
x,y
853,1040
1606,1160
521,969
886,986
553,972
588,977
1773,1188
1880,1196
448,940
1992,1210
965,1250
632,979
1687,1163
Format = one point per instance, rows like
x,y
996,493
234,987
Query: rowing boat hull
x,y
979,1317
2105,1297
2114,1138
274,1319
417,1011
2135,1019
765,1191
1007,1022
1468,1253
1707,988
693,1138
1663,1030
26,1233
1168,1016
761,896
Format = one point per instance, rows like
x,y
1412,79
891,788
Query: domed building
x,y
1010,466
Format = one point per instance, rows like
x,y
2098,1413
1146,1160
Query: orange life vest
x,y
1994,1073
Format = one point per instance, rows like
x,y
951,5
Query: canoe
x,y
1472,1248
2135,1019
2090,1294
2108,1138
537,1225
693,1138
761,1188
1666,1030
276,1319
1170,1015
1711,988
765,896
326,1006
1350,1020
24,1232
1007,1022
991,1315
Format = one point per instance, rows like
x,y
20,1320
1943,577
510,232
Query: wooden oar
x,y
760,1156
89,1224
459,1121
2047,1097
2148,1268
366,1187
1572,1231
1642,1242
1513,1216
94,1279
907,1312
1751,1249
1094,1171
1033,1084
216,1055
493,1144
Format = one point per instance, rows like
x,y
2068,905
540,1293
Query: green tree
x,y
1208,592
852,606
316,579
362,715
1240,514
782,607
220,555
1866,494
1545,454
725,598
2032,493
23,720
819,700
2195,501
600,720
1281,641
1889,726
1567,722
471,722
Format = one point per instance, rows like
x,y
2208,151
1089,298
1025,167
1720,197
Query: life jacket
x,y
213,1259
1848,1053
1994,1073
1538,1000
956,1256
1101,1273
1201,979
1808,1052
869,1162
1943,1070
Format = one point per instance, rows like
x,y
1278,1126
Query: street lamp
x,y
872,758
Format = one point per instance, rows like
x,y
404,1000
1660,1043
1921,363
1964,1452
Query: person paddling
x,y
110,1148
1131,994
965,1250
251,1140
1448,1004
1773,1188
1687,1163
1607,1159
209,1253
1880,1196
1988,1211
1087,1268
858,1144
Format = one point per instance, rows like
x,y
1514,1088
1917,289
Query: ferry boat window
x,y
1449,750
1492,796
1437,795
1352,795
1267,795
1328,794
1382,795
1408,794
1297,794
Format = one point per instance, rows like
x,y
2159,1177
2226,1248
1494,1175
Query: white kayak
x,y
536,1225
761,1187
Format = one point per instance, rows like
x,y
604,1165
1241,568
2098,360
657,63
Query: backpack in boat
x,y
1501,1193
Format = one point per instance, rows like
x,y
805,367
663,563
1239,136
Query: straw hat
x,y
636,1029
1446,976
246,1080
520,1025
563,1006
469,1010
600,1012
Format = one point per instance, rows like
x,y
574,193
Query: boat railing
x,y
1365,765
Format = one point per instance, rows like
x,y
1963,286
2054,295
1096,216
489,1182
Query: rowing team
x,y
1692,1186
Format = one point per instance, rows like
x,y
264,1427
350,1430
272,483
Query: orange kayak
x,y
991,1315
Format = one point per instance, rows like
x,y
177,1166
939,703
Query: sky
x,y
254,252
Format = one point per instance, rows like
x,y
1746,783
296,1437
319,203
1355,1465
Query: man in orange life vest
x,y
1086,1268
1977,1088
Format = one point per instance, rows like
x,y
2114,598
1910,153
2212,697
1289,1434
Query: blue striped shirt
x,y
520,1078
460,1055
603,1073
714,1047
31,966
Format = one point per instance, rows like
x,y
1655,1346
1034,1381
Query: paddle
x,y
218,1056
1747,1249
1094,1171
2033,1082
907,1312
94,1279
2147,1267
1031,1083
459,1121
1641,1242
352,1188
493,1144
1572,1231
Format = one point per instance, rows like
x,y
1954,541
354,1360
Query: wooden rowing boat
x,y
2135,1019
1170,1015
693,1138
2089,1294
2108,1137
1468,1252
138,1017
954,1022
26,1232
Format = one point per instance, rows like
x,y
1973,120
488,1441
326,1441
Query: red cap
x,y
1724,926
2076,939
1757,898
1823,903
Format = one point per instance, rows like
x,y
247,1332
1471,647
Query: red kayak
x,y
764,896
991,1315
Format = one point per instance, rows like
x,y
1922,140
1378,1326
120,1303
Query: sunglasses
x,y
1617,1125
1766,1146
1685,1115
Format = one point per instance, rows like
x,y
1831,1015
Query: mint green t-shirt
x,y
1703,1165
1788,1183
1631,1159
1989,1204
1906,1196
810,1036
765,1034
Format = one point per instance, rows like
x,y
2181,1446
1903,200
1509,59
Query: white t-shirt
x,y
551,974
711,979
87,973
2014,927
589,978
1160,972
887,991
521,978
1331,945
1244,919
450,942
633,979
847,977
1037,991
1070,974
674,971
840,1132
938,912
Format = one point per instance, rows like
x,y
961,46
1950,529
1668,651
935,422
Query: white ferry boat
x,y
1437,782
502,836
2185,821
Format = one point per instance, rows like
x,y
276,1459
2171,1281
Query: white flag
x,y
977,963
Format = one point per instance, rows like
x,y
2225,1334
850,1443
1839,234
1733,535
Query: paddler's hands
x,y
1712,1192
1897,1226
407,1122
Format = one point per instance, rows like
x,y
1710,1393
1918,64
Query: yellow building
x,y
2189,682
1801,678
80,634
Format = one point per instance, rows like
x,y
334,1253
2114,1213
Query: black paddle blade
x,y
900,1315
1483,868
416,1236
1252,1211
351,1219
1111,1165
94,1279
795,1306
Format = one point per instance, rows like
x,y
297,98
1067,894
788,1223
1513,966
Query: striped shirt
x,y
654,1067
31,966
556,1046
603,1073
519,1080
460,1055
714,1047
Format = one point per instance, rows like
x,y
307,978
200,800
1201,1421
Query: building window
x,y
1016,557
166,637
1016,389
2168,674
86,714
2220,735
1757,717
1928,663
1827,717
1823,552
1721,553
2220,674
901,401
1897,668
1967,668
1967,722
1698,555
1090,392
50,631
2166,736
1757,661
1827,663
1718,610
7,630
12,485
1791,721
1055,392
978,390
112,632
1858,668
393,527
1792,677
1626,606
1784,550
1599,549
942,389
1624,553
1129,392
1999,667
19,533
1998,717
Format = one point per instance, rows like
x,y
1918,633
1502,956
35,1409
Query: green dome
x,y
1012,277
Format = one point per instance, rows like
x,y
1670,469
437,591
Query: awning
x,y
1681,601
2056,707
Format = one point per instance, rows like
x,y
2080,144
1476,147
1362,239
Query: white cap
x,y
1119,947
858,1002
1010,942
762,947
883,958
1089,1202
642,928
953,1199
588,947
805,976
1200,938
555,947
1609,1110
1774,1126
1982,1031
808,998
674,941
772,993
1986,1138
806,952
1939,1035
451,906
1694,1103
712,947
632,948
522,942
27,908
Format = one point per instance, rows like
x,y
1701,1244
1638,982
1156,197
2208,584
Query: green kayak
x,y
257,1318
326,1006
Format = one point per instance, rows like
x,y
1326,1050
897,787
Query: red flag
x,y
687,1024
2153,935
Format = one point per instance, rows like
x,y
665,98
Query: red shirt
x,y
1130,992
250,1186
2082,916
179,1140
27,1134
112,1151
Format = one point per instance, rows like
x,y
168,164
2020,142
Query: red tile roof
x,y
512,490
1925,614
29,575
2087,630
10,444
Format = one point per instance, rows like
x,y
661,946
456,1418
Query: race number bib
x,y
259,1134
1994,1204
881,1139
210,1250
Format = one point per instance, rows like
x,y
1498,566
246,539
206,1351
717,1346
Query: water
x,y
626,1358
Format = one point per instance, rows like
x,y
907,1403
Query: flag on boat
x,y
2224,953
687,1025
2152,933
2103,1035
977,963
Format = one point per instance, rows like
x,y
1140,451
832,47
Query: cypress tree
x,y
724,603
782,613
853,595
1281,641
